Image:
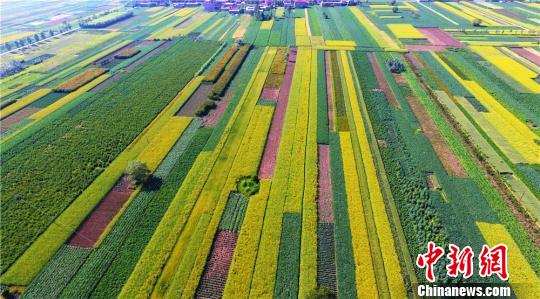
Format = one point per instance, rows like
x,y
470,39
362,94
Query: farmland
x,y
173,152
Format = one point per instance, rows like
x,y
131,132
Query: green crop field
x,y
153,149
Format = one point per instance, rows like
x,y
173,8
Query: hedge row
x,y
127,53
81,79
216,71
230,71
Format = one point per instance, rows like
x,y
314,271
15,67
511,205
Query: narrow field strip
x,y
35,256
396,285
148,269
266,265
266,169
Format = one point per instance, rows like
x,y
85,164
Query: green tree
x,y
137,171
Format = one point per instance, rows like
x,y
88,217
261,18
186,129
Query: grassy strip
x,y
288,268
322,101
308,257
345,263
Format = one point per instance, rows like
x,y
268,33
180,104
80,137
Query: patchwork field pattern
x,y
336,143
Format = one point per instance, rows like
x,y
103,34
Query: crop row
x,y
365,274
55,276
234,213
277,70
247,160
369,173
109,265
322,100
175,231
345,262
338,96
24,101
521,105
270,240
308,253
127,53
288,265
243,262
92,144
249,150
419,217
493,198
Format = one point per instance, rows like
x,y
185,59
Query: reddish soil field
x,y
268,162
438,37
329,91
270,93
217,268
194,102
529,55
382,81
211,119
415,48
91,229
448,159
13,119
324,198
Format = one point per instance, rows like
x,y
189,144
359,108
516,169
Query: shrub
x,y
230,70
477,22
205,107
248,185
321,293
137,171
395,65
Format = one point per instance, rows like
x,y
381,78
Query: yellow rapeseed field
x,y
509,67
365,275
405,31
522,278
